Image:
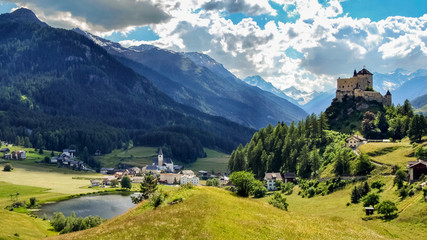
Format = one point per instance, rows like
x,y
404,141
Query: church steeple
x,y
355,73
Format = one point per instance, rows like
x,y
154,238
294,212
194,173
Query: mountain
x,y
410,90
198,81
419,101
394,80
259,82
319,103
314,102
60,88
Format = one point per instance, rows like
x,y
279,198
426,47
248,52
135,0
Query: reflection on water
x,y
105,206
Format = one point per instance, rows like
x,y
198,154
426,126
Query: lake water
x,y
105,206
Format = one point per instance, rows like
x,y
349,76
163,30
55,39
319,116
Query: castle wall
x,y
356,87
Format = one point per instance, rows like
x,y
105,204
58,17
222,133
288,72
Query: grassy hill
x,y
212,213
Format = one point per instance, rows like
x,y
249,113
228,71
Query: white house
x,y
271,179
189,179
354,141
95,182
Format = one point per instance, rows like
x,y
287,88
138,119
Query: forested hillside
x,y
61,89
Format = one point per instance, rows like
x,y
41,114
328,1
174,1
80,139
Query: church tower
x,y
160,158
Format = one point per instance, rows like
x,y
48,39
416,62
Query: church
x,y
361,85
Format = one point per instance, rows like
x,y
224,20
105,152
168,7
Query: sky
x,y
307,44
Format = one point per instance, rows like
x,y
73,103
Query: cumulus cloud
x,y
331,43
96,15
240,6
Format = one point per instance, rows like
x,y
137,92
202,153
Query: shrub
x,y
371,199
288,188
258,189
378,184
403,192
7,168
187,186
72,223
32,201
401,176
126,182
157,199
387,208
243,181
212,182
114,183
311,192
279,201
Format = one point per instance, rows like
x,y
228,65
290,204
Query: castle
x,y
360,85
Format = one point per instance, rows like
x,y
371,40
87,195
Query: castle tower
x,y
160,158
387,98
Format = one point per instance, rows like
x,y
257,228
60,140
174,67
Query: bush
x,y
157,199
403,192
126,182
279,201
114,183
387,208
378,184
371,199
258,189
288,188
401,176
32,201
7,168
243,181
311,192
212,182
187,186
72,223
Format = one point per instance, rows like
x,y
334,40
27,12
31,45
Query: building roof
x,y
276,176
388,93
412,164
151,167
4,150
187,172
160,151
289,175
357,137
364,72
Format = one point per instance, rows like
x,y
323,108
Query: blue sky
x,y
302,43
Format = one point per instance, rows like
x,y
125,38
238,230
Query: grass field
x,y
391,153
141,156
215,161
212,213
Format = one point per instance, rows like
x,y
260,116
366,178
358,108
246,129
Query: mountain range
x,y
197,80
60,88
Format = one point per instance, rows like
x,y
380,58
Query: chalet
x,y
289,177
8,156
98,152
189,179
416,169
95,182
271,179
354,141
71,152
170,178
21,154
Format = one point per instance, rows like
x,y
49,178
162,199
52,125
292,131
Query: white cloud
x,y
96,15
331,42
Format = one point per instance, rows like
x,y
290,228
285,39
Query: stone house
x,y
170,178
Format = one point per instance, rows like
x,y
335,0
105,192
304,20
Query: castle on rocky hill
x,y
360,85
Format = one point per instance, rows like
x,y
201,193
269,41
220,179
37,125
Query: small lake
x,y
105,206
